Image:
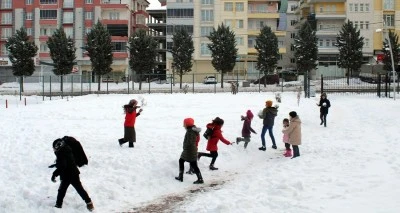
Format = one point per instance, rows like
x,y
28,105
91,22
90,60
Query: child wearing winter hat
x,y
268,115
129,124
294,132
246,129
285,139
189,153
216,136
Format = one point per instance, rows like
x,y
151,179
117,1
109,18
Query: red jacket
x,y
215,137
130,118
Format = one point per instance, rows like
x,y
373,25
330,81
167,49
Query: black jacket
x,y
65,164
324,109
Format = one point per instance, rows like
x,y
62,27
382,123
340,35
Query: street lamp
x,y
391,57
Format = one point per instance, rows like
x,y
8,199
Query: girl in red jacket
x,y
216,136
129,124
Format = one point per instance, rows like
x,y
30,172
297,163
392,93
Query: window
x,y
361,25
88,15
292,35
69,32
321,43
228,6
180,13
239,7
389,20
292,60
366,42
228,22
207,15
207,1
68,17
259,24
204,49
29,2
239,24
355,7
251,42
293,8
361,7
291,47
29,16
328,43
88,1
205,31
367,25
48,14
118,46
44,47
47,31
239,41
351,7
280,44
4,50
68,3
29,31
356,24
6,4
388,4
6,18
88,29
6,33
48,1
366,7
114,15
292,22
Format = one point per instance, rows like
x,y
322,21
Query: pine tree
x,y
223,50
21,53
99,50
182,51
350,44
394,42
306,50
268,51
62,52
143,52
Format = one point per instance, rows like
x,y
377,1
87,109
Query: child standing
x,y
294,132
69,174
268,115
285,139
216,136
324,105
246,129
129,124
189,153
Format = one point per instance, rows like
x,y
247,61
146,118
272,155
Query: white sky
x,y
154,4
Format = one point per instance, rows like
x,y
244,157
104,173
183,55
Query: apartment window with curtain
x,y
69,32
389,20
351,7
207,15
88,1
29,31
356,24
367,25
6,33
6,4
44,48
207,2
114,15
29,2
68,3
228,6
4,50
68,17
48,1
205,31
388,4
239,7
29,16
366,7
355,7
361,7
204,51
361,25
239,41
366,42
118,46
48,14
88,15
239,24
228,23
87,30
6,18
47,31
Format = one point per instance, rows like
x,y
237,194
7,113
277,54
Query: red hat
x,y
188,122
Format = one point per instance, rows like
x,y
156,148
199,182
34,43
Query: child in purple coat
x,y
246,130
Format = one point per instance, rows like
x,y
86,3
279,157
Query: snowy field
x,y
353,165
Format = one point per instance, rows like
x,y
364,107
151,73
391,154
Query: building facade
x,y
158,29
42,17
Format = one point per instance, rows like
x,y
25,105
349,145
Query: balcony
x,y
256,32
328,32
114,4
330,15
253,51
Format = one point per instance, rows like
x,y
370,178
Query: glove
x,y
140,110
53,178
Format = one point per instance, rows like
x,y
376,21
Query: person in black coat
x,y
69,174
324,105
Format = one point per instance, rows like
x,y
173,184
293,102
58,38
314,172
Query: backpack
x,y
208,133
77,150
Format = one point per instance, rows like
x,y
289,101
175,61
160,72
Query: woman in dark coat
x,y
324,105
189,153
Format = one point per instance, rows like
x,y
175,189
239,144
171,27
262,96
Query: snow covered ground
x,y
353,165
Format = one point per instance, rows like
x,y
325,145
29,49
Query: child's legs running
x,y
271,135
193,165
246,141
214,155
181,165
264,130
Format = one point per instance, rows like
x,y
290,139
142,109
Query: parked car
x,y
210,80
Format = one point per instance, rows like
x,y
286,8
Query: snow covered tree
x,y
21,53
223,50
394,42
99,49
62,52
306,50
182,51
268,51
350,44
143,52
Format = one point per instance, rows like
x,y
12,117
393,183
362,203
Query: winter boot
x,y
238,139
180,176
131,144
212,167
121,141
262,148
288,153
274,146
58,206
90,206
190,171
199,179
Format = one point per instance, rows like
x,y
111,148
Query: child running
x,y
246,129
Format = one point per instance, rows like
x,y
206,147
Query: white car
x,y
210,80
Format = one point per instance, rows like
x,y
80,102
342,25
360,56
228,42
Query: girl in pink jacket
x,y
285,139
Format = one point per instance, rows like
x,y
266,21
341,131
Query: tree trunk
x,y
21,83
348,76
61,83
99,82
265,80
140,83
222,79
180,80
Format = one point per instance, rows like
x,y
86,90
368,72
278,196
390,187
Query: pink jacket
x,y
285,137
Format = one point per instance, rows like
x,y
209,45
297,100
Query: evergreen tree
x,y
223,50
394,42
99,50
306,50
350,44
268,51
143,52
21,53
182,52
62,52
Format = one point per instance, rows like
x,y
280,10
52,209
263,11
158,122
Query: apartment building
x,y
42,17
157,28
